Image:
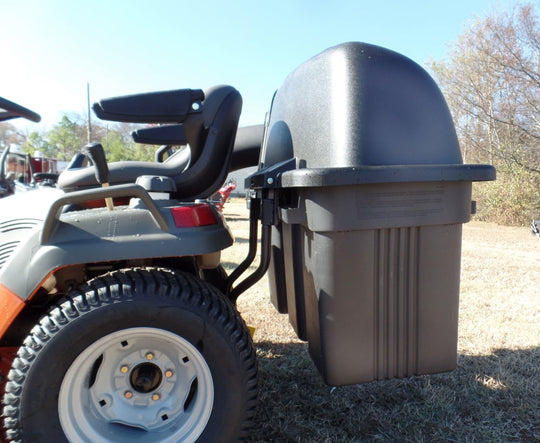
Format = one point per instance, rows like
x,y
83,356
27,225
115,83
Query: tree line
x,y
491,81
70,134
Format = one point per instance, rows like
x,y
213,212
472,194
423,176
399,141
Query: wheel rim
x,y
137,384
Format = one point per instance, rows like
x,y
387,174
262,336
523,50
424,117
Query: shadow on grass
x,y
236,218
241,240
487,398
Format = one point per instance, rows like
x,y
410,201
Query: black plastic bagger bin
x,y
361,155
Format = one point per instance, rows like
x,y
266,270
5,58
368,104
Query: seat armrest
x,y
153,107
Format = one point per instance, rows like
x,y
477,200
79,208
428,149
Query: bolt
x,y
155,397
149,356
128,394
168,373
124,369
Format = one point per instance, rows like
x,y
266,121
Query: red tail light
x,y
193,216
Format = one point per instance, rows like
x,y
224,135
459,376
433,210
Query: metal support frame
x,y
255,213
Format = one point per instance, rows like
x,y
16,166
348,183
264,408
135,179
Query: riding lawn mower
x,y
118,320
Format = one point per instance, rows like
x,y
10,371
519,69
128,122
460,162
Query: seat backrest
x,y
210,162
210,135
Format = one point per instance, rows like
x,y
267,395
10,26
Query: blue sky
x,y
52,49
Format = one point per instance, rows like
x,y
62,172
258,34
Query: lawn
x,y
493,395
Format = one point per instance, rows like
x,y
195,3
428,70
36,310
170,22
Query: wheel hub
x,y
141,380
146,377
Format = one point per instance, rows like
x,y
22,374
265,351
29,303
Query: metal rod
x,y
249,281
253,227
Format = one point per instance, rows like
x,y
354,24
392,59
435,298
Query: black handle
x,y
96,153
13,110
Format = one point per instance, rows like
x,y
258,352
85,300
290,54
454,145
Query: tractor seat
x,y
203,124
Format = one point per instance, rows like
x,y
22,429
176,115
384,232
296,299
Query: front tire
x,y
135,355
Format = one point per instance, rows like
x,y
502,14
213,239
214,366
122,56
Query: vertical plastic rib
x,y
396,302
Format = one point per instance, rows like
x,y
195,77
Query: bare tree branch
x,y
492,82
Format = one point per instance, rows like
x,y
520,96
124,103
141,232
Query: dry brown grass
x,y
493,395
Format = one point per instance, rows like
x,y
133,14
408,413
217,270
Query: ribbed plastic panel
x,y
374,304
6,249
396,302
14,225
12,233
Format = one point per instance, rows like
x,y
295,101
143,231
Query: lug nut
x,y
128,394
124,369
168,373
149,356
155,397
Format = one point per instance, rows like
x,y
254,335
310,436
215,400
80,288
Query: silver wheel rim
x,y
137,384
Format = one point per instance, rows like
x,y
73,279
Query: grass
x,y
492,396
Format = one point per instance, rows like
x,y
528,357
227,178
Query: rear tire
x,y
135,355
217,277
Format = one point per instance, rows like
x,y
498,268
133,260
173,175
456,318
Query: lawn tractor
x,y
20,172
118,321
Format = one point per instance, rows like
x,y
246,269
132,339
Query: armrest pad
x,y
152,107
161,135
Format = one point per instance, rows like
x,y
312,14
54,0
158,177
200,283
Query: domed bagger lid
x,y
358,113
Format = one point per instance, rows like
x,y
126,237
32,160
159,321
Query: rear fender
x,y
99,235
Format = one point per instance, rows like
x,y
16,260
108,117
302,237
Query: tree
x,y
10,135
491,80
118,143
66,138
37,142
135,151
114,146
7,131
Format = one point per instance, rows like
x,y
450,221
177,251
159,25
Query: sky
x,y
52,49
